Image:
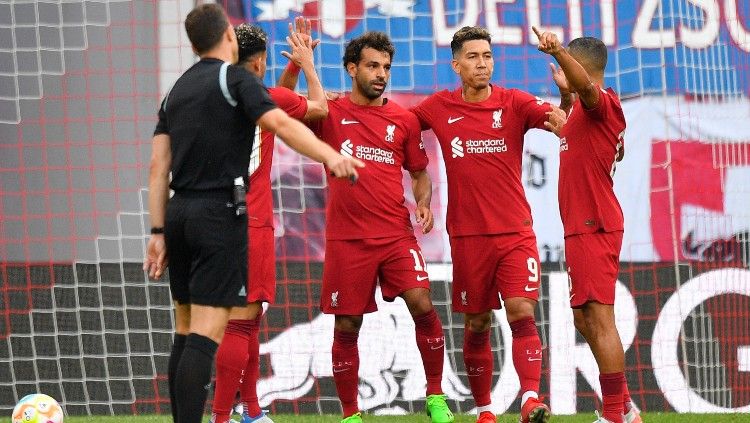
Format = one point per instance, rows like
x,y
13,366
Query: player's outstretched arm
x,y
302,55
578,79
299,137
421,186
158,193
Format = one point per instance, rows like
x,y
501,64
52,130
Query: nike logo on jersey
x,y
453,120
348,122
422,278
529,288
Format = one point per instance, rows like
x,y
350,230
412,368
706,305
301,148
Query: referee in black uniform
x,y
204,138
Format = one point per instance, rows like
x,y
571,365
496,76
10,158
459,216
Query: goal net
x,y
80,82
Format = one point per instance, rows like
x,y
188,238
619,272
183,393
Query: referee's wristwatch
x,y
157,230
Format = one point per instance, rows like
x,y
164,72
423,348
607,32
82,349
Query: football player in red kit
x,y
238,356
369,235
591,143
480,127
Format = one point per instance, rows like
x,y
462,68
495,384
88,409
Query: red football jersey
x,y
590,142
482,146
259,196
387,138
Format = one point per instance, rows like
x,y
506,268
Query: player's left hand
x,y
424,217
548,42
556,120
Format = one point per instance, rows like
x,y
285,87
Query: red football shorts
x,y
354,267
593,263
261,265
487,265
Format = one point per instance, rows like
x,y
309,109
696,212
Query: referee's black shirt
x,y
211,139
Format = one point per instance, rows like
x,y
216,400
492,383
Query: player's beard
x,y
368,90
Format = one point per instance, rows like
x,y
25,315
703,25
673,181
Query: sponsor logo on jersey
x,y
457,148
463,298
389,131
460,148
497,117
347,148
452,120
363,152
563,144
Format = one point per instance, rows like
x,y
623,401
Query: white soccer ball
x,y
37,408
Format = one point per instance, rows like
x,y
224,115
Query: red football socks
x,y
231,360
612,384
478,361
248,393
345,356
431,344
527,353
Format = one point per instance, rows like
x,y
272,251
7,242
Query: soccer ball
x,y
37,408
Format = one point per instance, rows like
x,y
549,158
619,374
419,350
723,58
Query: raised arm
x,y
158,193
299,137
421,186
302,55
578,79
290,76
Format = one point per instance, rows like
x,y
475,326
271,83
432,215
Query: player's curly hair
x,y
205,25
251,40
591,50
468,33
372,39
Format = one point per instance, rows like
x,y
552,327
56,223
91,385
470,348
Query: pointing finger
x,y
536,31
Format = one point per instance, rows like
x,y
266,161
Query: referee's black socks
x,y
178,346
193,378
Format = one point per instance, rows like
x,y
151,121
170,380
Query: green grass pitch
x,y
421,418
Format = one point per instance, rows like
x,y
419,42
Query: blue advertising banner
x,y
675,46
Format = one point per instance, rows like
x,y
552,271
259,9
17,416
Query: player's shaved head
x,y
590,52
468,33
374,40
251,40
205,25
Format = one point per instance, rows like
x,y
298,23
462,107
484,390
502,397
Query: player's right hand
x,y
556,119
548,42
344,167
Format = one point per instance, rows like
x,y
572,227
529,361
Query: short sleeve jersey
x,y
386,138
590,142
259,196
482,147
210,120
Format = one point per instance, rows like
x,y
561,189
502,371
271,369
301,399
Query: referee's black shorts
x,y
207,250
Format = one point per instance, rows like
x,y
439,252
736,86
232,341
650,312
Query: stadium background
x,y
80,82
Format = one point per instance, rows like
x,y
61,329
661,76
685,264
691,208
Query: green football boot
x,y
437,409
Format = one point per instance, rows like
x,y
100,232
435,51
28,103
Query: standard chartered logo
x,y
457,148
346,148
488,146
363,152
